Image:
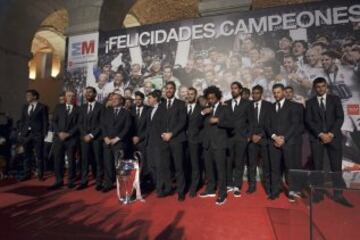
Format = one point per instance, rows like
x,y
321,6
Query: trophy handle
x,y
136,185
118,156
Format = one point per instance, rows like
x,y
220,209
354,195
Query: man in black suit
x,y
300,130
91,141
154,142
258,146
139,115
116,129
324,117
239,134
33,129
195,123
65,124
282,125
173,137
215,143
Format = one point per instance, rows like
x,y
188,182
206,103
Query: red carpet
x,y
28,210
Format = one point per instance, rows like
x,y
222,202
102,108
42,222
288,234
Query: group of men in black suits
x,y
175,138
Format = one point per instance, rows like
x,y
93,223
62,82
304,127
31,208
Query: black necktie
x,y
236,103
190,110
31,109
169,104
116,111
257,111
90,108
322,104
278,106
68,110
138,112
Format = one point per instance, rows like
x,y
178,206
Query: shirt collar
x,y
282,102
216,105
323,96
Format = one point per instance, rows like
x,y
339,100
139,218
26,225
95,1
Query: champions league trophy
x,y
128,177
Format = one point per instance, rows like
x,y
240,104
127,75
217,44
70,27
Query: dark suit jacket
x,y
174,120
301,127
284,122
140,124
38,121
334,117
119,126
216,135
195,124
154,127
239,119
62,122
259,128
91,123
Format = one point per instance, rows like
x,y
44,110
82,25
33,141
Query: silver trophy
x,y
128,177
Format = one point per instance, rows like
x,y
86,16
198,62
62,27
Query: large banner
x,y
291,45
82,54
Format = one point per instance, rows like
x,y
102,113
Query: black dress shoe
x,y
41,178
181,197
56,186
192,194
251,189
317,197
98,187
81,187
220,200
25,178
71,185
106,189
274,196
339,198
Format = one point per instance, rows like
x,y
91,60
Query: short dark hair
x,y
290,56
156,94
139,94
278,85
237,84
92,89
289,87
172,83
129,88
192,89
302,42
213,90
258,87
319,80
34,93
330,53
246,90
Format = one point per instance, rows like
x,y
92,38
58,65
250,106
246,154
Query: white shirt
x,y
319,100
92,104
171,101
281,104
140,109
70,107
215,107
191,106
153,111
259,108
33,106
238,99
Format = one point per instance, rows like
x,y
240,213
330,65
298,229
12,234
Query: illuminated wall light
x,y
32,69
56,66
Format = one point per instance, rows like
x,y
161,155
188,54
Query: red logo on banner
x,y
353,109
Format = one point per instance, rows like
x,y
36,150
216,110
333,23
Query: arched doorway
x,y
47,65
